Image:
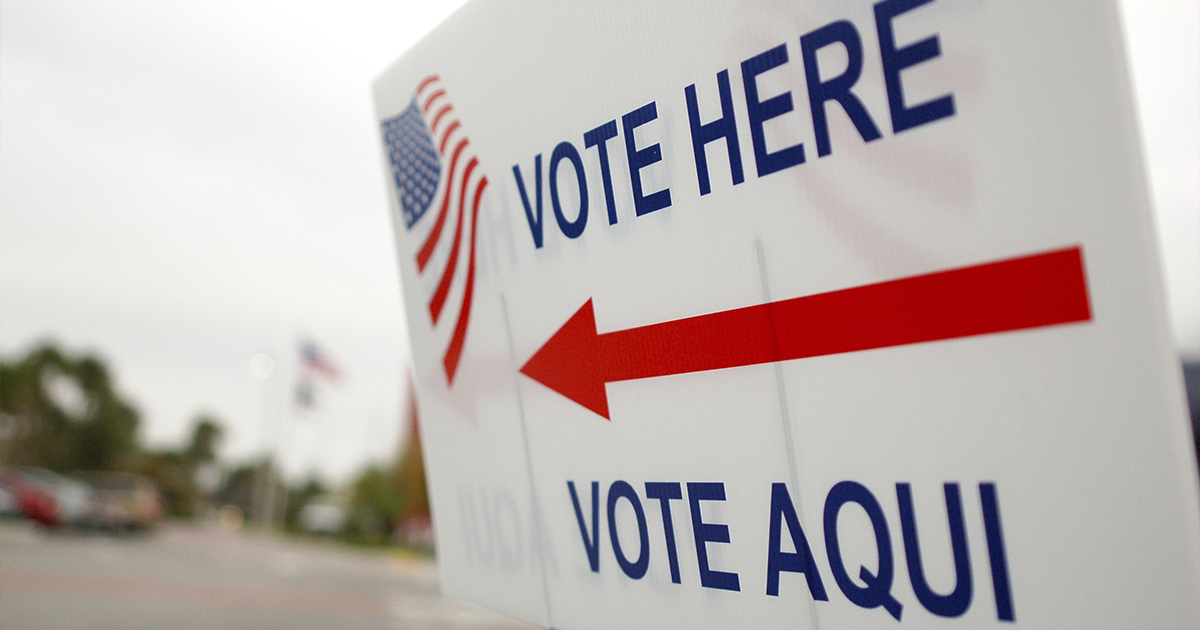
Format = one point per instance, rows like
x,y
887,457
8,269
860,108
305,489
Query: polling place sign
x,y
811,314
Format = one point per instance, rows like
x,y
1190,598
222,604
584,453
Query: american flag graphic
x,y
432,165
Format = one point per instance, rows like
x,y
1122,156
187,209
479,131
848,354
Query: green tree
x,y
241,488
387,497
375,506
206,435
66,413
297,498
176,472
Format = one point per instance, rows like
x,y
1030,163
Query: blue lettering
x,y
704,533
821,91
723,127
590,543
837,88
877,591
897,59
957,602
535,223
664,492
999,560
599,138
637,568
782,511
641,158
762,111
869,589
566,150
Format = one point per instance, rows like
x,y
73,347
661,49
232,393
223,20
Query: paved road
x,y
207,578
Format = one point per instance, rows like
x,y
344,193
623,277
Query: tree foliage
x,y
385,497
64,413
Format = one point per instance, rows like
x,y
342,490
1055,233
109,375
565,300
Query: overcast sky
x,y
184,184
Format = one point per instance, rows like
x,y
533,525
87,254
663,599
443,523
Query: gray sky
x,y
184,184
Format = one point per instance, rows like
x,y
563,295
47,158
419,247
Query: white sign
x,y
817,314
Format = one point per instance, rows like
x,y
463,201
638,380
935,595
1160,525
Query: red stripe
x,y
433,97
426,81
446,109
443,288
455,349
446,138
431,241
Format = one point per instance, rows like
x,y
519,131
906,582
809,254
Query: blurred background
x,y
200,318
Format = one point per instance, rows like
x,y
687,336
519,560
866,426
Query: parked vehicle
x,y
124,501
8,499
50,498
324,514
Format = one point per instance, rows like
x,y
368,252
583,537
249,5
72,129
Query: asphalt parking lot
x,y
207,577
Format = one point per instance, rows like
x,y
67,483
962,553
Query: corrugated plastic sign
x,y
828,314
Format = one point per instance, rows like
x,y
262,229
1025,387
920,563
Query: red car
x,y
50,498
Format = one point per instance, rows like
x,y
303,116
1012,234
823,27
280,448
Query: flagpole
x,y
314,364
273,508
277,517
287,440
262,366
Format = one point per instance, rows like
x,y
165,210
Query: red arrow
x,y
1027,292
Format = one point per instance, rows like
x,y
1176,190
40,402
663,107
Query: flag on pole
x,y
317,362
314,364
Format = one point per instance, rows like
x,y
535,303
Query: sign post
x,y
816,314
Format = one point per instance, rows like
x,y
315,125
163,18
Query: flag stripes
x,y
457,197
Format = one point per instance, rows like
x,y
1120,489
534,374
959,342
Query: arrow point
x,y
570,362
